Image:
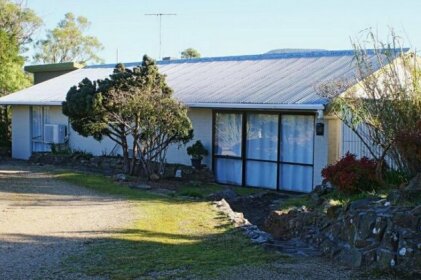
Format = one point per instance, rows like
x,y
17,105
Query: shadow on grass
x,y
171,237
135,253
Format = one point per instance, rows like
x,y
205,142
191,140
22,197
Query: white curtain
x,y
229,171
296,147
296,178
262,137
40,116
228,134
228,138
261,174
297,139
262,144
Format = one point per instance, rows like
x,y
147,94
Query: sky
x,y
232,27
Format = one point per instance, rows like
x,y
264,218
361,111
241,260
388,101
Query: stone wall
x,y
114,165
368,233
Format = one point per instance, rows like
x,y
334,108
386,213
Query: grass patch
x,y
171,238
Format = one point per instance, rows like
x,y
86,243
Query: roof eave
x,y
257,106
31,103
200,105
65,66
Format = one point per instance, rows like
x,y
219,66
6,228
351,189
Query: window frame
x,y
244,158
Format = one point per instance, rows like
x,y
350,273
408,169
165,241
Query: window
x,y
269,150
40,115
296,170
262,150
228,148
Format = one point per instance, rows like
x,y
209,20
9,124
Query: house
x,y
259,115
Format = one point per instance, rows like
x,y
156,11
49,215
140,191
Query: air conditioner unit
x,y
55,133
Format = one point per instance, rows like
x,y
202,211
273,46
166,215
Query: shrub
x,y
197,150
409,145
351,175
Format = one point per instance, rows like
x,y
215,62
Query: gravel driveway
x,y
43,220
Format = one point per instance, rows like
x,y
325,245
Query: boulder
x,y
394,197
154,177
120,177
334,211
351,257
414,184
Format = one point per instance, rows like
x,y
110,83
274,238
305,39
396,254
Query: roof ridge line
x,y
298,54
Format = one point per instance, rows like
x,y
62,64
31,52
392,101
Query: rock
x,y
141,186
385,258
120,177
362,203
416,211
316,199
324,188
369,257
154,177
405,220
333,211
227,194
366,225
394,197
351,257
362,243
414,184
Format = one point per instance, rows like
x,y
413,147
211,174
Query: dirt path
x,y
43,220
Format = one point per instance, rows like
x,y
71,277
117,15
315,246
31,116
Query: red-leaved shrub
x,y
351,175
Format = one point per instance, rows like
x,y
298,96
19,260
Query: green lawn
x,y
172,237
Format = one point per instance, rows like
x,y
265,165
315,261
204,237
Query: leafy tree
x,y
383,103
67,42
17,25
18,22
134,108
190,53
12,78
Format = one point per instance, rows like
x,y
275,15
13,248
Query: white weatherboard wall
x,y
21,132
202,125
22,145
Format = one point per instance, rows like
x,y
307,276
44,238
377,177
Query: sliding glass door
x,y
296,146
266,150
228,148
262,150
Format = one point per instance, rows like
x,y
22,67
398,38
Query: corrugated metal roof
x,y
268,79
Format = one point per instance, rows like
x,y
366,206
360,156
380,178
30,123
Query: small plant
x,y
197,150
60,149
82,154
351,175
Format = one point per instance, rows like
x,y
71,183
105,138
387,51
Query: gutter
x,y
257,106
33,103
200,105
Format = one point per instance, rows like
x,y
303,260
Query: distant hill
x,y
293,50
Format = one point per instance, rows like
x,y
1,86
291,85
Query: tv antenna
x,y
160,15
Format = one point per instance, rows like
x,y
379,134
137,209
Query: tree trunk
x,y
134,159
379,171
126,159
